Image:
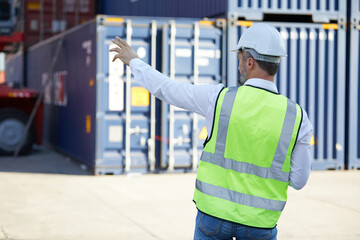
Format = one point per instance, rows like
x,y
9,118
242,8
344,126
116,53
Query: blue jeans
x,y
208,227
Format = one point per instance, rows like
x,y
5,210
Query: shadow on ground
x,y
43,160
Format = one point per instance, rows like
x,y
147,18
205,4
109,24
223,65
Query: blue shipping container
x,y
313,75
320,10
354,87
95,112
190,54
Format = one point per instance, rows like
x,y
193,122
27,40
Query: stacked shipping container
x,y
319,10
311,74
44,18
142,135
94,110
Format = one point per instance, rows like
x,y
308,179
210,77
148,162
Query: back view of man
x,y
259,142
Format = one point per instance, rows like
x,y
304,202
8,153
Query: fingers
x,y
115,57
123,42
115,50
120,42
116,42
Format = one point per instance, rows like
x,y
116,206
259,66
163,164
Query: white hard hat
x,y
263,42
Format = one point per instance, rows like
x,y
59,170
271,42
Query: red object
x,y
15,37
44,22
24,100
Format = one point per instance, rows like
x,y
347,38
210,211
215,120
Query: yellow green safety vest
x,y
243,173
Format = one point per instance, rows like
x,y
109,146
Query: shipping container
x,y
313,75
354,89
95,112
45,18
319,10
189,54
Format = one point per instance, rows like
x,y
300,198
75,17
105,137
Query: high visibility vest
x,y
243,173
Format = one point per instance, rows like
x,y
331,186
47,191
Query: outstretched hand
x,y
124,52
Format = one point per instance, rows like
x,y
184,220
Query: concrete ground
x,y
45,196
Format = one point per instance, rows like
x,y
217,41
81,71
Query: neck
x,y
262,75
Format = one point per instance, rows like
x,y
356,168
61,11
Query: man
x,y
259,143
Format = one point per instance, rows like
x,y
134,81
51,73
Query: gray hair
x,y
268,67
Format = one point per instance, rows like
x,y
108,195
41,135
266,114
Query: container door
x,y
191,53
312,75
125,111
354,104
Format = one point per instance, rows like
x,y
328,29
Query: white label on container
x,y
47,86
203,62
183,52
87,46
34,25
116,93
115,68
209,53
141,52
115,133
331,36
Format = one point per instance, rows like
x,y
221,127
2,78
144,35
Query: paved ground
x,y
45,196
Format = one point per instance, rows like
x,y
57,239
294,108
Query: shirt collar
x,y
261,83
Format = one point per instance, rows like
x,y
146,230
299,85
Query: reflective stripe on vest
x,y
239,198
274,172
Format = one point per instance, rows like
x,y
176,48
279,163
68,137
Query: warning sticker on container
x,y
203,133
88,124
116,93
115,133
117,67
140,97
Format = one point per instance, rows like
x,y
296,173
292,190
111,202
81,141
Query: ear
x,y
250,63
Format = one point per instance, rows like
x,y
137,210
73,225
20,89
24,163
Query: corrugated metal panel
x,y
163,8
191,53
14,68
125,139
354,89
320,10
69,100
312,75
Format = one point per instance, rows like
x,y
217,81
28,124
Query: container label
x,y
55,88
203,133
115,133
183,52
88,124
87,46
116,93
117,67
203,62
140,97
33,5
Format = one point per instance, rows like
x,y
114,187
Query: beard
x,y
242,75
